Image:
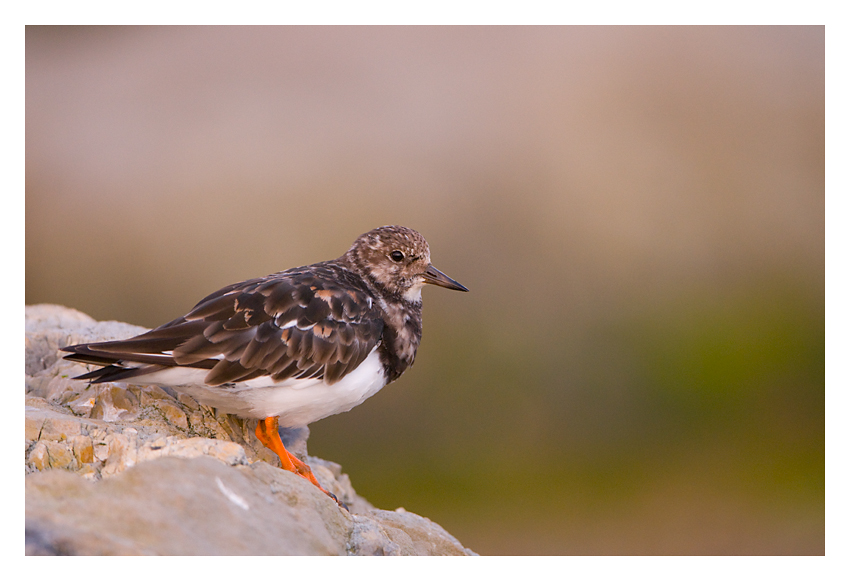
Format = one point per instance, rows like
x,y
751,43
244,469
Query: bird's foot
x,y
304,471
267,433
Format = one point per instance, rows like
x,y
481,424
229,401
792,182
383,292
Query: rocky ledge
x,y
124,470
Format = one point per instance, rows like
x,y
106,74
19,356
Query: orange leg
x,y
267,434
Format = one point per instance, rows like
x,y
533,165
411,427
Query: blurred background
x,y
638,212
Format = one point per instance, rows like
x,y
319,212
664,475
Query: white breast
x,y
298,402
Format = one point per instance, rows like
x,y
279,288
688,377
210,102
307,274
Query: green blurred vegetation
x,y
717,394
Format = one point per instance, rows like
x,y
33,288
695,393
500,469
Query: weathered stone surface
x,y
382,532
116,469
211,509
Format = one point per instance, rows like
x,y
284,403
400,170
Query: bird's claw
x,y
340,503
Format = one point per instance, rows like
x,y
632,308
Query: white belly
x,y
298,402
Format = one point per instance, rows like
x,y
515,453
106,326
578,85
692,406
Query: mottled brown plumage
x,y
318,321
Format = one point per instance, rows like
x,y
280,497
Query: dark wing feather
x,y
310,322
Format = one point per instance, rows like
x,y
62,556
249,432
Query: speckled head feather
x,y
397,261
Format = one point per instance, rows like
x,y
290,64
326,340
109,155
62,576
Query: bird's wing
x,y
301,323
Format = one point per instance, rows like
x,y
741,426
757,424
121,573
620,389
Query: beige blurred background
x,y
639,213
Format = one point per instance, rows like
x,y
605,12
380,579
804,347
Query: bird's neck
x,y
402,334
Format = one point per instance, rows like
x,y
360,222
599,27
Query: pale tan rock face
x,y
116,469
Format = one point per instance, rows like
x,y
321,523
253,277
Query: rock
x,y
185,506
126,470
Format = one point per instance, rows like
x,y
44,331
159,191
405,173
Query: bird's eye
x,y
397,255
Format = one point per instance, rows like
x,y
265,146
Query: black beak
x,y
434,276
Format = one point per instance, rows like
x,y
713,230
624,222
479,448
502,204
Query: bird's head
x,y
398,259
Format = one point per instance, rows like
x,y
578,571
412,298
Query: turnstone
x,y
293,347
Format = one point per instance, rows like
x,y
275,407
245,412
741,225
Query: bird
x,y
292,347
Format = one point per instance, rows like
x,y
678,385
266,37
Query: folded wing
x,y
295,324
